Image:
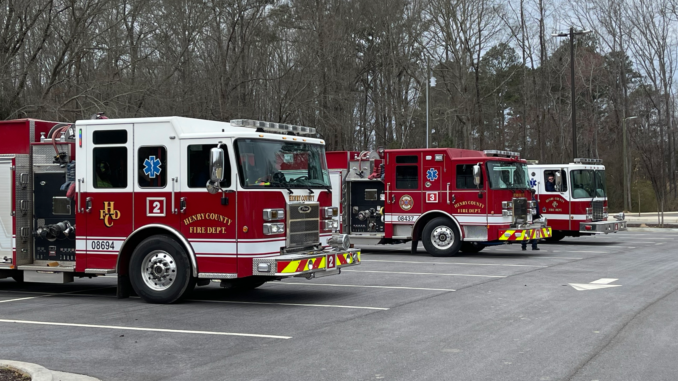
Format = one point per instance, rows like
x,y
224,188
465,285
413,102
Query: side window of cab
x,y
109,159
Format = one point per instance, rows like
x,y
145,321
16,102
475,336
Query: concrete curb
x,y
40,373
649,229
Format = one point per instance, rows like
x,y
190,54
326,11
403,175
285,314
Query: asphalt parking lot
x,y
501,314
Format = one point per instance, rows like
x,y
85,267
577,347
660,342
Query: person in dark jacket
x,y
535,216
550,183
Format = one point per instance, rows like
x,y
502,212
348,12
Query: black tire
x,y
244,284
471,247
166,273
441,237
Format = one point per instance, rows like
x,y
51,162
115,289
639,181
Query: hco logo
x,y
108,214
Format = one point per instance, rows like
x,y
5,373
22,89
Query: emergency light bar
x,y
498,153
581,160
273,127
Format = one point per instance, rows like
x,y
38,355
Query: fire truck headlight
x,y
264,267
330,211
277,228
507,204
274,214
506,213
339,242
330,225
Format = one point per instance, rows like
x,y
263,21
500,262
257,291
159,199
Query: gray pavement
x,y
502,314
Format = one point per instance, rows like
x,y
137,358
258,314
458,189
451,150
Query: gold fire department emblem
x,y
109,214
406,202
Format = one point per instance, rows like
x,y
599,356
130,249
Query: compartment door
x,y
6,223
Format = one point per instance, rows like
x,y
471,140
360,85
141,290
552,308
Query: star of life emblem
x,y
152,167
432,174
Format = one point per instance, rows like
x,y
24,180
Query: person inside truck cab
x,y
103,175
550,183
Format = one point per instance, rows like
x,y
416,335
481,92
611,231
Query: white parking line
x,y
18,299
143,329
556,257
450,263
411,273
360,286
581,251
291,304
650,238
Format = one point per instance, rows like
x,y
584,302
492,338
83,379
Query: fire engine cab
x,y
573,197
167,203
450,199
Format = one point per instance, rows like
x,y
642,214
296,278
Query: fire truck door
x,y
470,202
208,221
404,193
156,177
106,196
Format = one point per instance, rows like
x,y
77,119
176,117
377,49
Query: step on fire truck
x,y
450,199
167,203
573,198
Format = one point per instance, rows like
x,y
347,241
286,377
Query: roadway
x,y
502,314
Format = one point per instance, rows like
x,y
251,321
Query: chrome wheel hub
x,y
158,270
442,237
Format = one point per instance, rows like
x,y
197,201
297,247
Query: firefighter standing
x,y
536,215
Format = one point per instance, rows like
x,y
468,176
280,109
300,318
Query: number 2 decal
x,y
330,262
155,207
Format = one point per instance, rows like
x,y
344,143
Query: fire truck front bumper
x,y
602,227
526,234
310,265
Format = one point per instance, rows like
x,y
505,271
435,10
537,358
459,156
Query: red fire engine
x,y
167,203
573,198
450,199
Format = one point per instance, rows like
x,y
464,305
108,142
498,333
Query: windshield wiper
x,y
284,185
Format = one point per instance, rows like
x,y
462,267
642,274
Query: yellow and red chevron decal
x,y
346,259
309,264
524,234
515,234
302,265
541,233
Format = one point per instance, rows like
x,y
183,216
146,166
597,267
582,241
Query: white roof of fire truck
x,y
190,128
579,163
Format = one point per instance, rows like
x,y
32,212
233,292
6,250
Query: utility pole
x,y
428,83
571,35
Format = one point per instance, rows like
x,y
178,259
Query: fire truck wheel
x,y
441,238
471,247
160,270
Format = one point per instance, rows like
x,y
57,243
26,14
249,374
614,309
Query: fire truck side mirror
x,y
559,182
476,175
217,165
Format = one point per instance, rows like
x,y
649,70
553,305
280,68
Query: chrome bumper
x,y
311,264
602,227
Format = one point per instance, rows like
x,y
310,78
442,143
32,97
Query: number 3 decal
x,y
431,197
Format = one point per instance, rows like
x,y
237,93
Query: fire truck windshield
x,y
507,175
588,183
281,164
